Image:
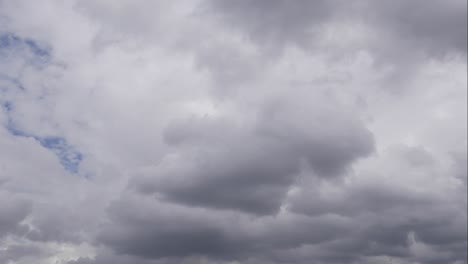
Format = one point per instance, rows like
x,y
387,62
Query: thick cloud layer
x,y
202,132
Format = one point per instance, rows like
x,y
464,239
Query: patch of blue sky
x,y
9,43
17,52
36,49
9,40
69,157
10,80
10,126
34,52
7,106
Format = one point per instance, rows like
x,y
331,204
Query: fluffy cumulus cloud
x,y
250,131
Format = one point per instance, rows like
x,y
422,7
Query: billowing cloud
x,y
251,167
203,132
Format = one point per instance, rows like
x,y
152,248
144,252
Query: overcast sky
x,y
233,131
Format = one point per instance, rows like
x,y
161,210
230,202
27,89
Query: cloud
x,y
281,22
437,26
31,53
371,213
251,167
250,131
13,211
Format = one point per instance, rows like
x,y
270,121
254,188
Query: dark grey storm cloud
x,y
347,224
251,167
370,217
178,231
168,232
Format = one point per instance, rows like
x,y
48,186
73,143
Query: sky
x,y
229,132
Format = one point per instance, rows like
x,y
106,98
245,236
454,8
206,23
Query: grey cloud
x,y
110,258
249,173
140,226
460,162
247,166
147,229
375,220
12,212
328,136
276,23
357,200
232,65
155,230
226,132
59,225
404,28
437,27
389,219
390,234
251,166
17,253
